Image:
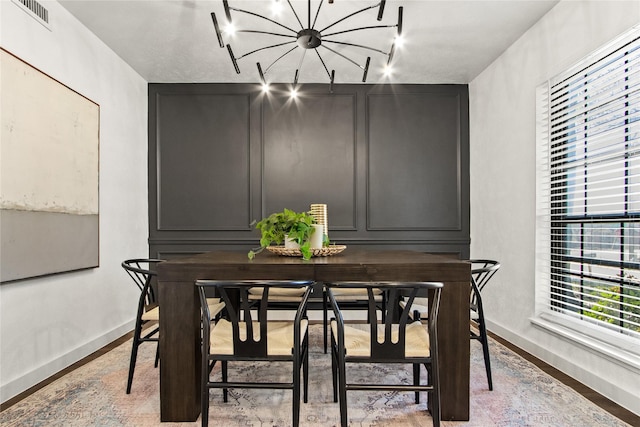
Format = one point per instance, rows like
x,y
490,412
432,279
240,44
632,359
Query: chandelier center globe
x,y
309,38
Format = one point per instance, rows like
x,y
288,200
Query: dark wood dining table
x,y
180,354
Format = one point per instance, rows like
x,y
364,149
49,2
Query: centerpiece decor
x,y
295,226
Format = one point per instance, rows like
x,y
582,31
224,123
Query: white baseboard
x,y
41,373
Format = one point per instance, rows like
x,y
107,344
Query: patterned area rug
x,y
94,395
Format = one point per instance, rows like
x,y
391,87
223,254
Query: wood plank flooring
x,y
597,399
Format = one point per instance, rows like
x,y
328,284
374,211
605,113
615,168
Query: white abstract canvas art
x,y
49,171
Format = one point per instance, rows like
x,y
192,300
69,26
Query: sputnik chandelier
x,y
312,36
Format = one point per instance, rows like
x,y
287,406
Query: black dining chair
x,y
236,336
142,272
482,270
396,340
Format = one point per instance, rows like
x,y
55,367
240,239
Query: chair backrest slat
x,y
396,318
238,303
482,270
142,272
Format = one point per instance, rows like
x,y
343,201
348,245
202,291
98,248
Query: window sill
x,y
624,352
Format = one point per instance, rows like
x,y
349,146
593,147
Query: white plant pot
x,y
290,244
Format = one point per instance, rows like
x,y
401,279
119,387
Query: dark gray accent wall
x,y
390,161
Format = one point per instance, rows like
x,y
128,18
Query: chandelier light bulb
x,y
230,29
276,7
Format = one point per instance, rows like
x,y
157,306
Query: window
x,y
588,193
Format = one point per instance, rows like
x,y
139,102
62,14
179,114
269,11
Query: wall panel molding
x,y
310,151
202,139
413,144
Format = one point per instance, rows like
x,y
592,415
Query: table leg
x,y
179,351
453,351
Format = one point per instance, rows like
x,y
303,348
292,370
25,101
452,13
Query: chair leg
x,y
485,350
225,392
134,354
334,369
155,365
305,369
296,392
434,398
416,379
324,317
205,377
433,380
204,404
344,419
430,398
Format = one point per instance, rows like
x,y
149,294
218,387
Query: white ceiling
x,y
174,40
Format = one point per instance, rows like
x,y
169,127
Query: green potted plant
x,y
296,226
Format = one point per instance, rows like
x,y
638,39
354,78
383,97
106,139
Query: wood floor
x,y
599,400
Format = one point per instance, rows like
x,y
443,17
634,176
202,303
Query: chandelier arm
x,y
348,16
391,53
264,48
400,9
332,78
279,58
354,45
295,14
263,17
358,29
344,56
266,32
323,64
262,79
227,12
366,70
381,10
233,59
317,13
217,28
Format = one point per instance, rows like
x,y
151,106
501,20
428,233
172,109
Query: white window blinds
x,y
588,190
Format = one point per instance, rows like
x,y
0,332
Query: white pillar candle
x,y
316,237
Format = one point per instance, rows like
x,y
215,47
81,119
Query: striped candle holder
x,y
319,212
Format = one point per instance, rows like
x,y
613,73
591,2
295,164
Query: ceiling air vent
x,y
35,10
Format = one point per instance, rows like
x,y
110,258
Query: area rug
x,y
94,395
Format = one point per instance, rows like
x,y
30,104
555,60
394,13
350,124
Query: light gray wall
x,y
49,323
502,150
